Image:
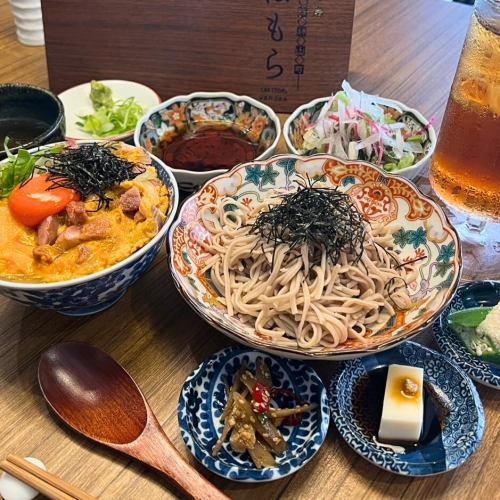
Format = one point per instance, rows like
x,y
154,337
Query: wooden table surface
x,y
403,49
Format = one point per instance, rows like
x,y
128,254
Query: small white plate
x,y
76,101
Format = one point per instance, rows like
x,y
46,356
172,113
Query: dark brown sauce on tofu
x,y
368,405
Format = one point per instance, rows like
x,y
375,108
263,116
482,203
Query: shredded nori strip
x,y
407,263
90,169
321,218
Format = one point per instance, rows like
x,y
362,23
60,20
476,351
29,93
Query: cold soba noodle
x,y
305,266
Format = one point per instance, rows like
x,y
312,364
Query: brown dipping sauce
x,y
208,149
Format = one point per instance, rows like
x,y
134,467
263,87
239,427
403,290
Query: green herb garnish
x,y
19,167
111,117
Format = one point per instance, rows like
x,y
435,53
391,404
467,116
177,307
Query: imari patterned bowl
x,y
356,399
97,291
474,294
304,115
177,115
202,402
424,233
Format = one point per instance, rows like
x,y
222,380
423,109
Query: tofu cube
x,y
403,410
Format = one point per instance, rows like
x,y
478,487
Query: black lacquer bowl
x,y
28,104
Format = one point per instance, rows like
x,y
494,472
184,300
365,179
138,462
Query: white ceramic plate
x,y
76,101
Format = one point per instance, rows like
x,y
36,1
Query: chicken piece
x,y
47,231
77,215
43,253
96,229
84,253
130,200
70,237
139,217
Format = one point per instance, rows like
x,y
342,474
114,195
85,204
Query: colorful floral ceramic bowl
x,y
173,117
296,124
202,401
424,233
356,396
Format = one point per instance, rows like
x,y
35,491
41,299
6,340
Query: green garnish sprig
x,y
19,167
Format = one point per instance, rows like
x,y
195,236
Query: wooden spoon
x,y
95,396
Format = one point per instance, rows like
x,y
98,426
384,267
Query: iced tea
x,y
466,165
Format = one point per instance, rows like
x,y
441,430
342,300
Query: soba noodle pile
x,y
297,292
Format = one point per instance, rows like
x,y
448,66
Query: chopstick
x,y
42,481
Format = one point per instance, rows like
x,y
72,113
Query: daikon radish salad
x,y
353,125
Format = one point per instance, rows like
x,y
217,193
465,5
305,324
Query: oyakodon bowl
x,y
174,117
296,125
97,291
380,197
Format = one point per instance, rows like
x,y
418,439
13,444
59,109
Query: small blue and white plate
x,y
474,294
356,398
202,402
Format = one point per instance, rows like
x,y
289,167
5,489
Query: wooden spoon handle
x,y
155,449
186,478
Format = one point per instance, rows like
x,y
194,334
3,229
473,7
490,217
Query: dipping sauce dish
x,y
203,134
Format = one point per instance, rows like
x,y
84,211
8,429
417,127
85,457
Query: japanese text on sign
x,y
276,65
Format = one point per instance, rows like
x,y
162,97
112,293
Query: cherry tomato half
x,y
33,201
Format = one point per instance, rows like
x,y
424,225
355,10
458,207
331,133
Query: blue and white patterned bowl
x,y
444,448
201,404
97,291
474,294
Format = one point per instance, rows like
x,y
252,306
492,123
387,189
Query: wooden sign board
x,y
282,52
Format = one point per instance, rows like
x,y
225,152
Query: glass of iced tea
x,y
465,171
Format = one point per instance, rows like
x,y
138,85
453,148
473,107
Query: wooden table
x,y
401,48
